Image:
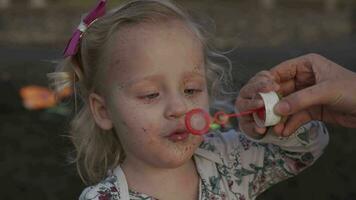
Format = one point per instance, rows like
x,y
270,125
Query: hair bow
x,y
72,46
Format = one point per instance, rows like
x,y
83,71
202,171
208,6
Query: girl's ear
x,y
100,111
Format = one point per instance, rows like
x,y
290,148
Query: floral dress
x,y
233,166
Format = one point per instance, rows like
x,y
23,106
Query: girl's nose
x,y
176,107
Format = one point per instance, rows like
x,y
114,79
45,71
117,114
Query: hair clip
x,y
72,46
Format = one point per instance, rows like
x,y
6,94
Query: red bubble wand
x,y
198,121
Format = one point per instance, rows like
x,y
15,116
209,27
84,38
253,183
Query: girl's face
x,y
156,75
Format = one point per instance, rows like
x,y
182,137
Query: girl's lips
x,y
178,136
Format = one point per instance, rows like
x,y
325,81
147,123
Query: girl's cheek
x,y
195,103
124,124
144,130
201,101
147,129
144,122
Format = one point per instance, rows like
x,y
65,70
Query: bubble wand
x,y
198,121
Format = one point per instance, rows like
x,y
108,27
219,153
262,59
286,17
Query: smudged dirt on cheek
x,y
124,124
144,130
187,149
193,146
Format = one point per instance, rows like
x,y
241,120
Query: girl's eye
x,y
150,96
191,92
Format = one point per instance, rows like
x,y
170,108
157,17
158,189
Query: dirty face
x,y
157,74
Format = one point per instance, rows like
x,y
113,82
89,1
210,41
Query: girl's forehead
x,y
155,48
159,75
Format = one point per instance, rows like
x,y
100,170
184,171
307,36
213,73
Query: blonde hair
x,y
97,150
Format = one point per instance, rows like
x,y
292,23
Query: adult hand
x,y
314,88
261,82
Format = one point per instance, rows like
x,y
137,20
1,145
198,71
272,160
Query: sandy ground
x,y
34,149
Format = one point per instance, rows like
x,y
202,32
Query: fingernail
x,y
260,130
282,107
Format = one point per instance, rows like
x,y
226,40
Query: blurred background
x,y
258,35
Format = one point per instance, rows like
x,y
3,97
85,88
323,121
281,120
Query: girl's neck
x,y
158,182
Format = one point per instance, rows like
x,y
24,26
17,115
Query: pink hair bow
x,y
72,46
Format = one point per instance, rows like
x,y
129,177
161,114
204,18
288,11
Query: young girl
x,y
139,69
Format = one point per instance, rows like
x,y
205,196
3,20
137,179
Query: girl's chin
x,y
179,155
172,164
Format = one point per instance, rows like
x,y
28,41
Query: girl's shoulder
x,y
105,190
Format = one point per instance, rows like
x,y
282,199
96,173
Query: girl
x,y
139,69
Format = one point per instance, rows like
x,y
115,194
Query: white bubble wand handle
x,y
270,118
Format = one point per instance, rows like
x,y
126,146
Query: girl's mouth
x,y
178,136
